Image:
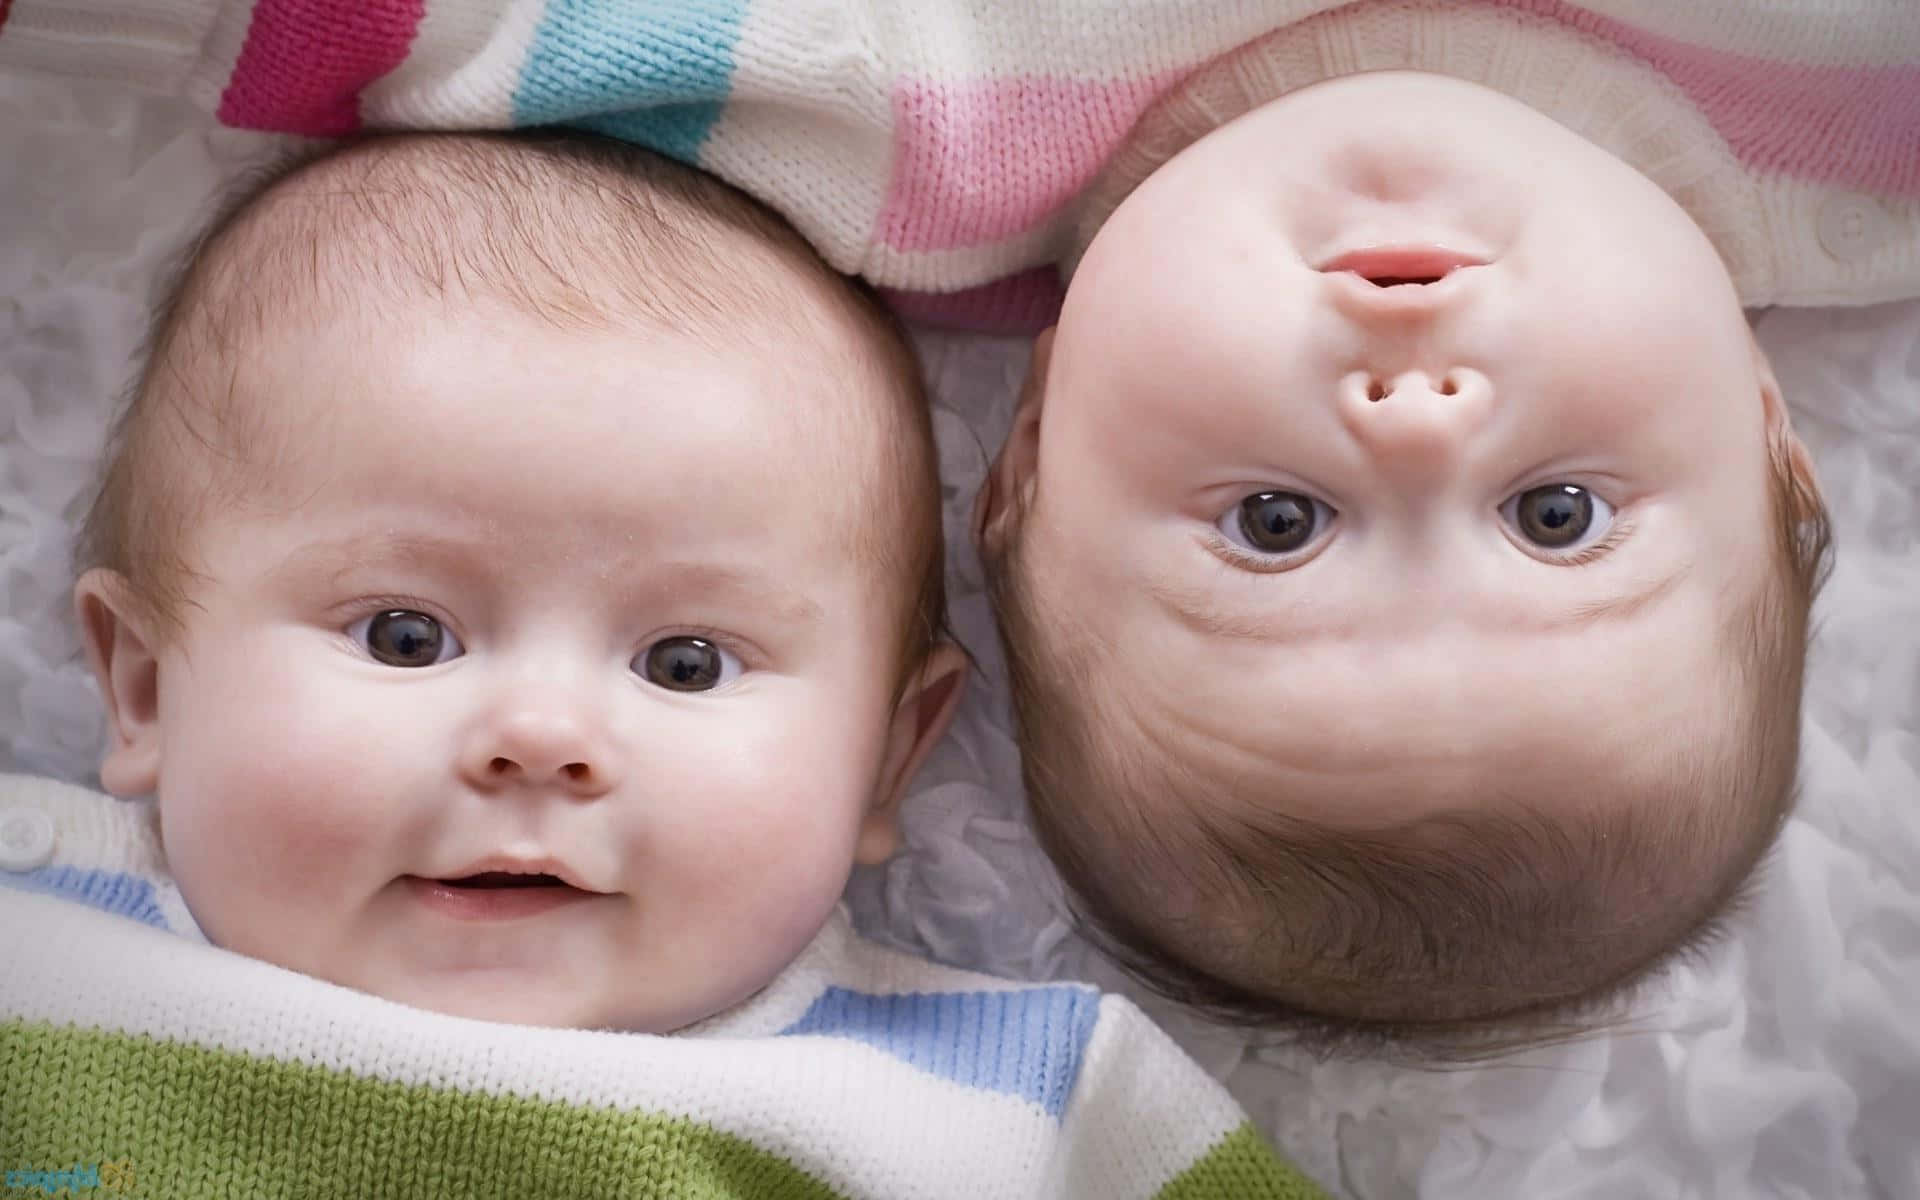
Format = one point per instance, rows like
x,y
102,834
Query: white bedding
x,y
1780,1067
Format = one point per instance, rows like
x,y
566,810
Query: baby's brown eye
x,y
687,664
402,638
1555,516
1278,522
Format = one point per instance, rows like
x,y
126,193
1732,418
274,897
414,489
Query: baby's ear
x,y
1783,445
1009,482
117,634
921,717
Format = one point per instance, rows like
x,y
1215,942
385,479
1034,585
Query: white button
x,y
1851,227
26,839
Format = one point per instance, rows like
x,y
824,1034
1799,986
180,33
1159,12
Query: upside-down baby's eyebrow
x,y
1197,610
1643,594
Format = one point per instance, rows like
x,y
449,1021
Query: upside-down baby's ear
x,y
1009,482
1783,445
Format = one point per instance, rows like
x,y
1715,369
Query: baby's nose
x,y
545,746
1416,421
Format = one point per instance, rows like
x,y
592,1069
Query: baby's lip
x,y
497,871
1391,266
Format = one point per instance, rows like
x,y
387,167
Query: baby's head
x,y
518,577
1404,565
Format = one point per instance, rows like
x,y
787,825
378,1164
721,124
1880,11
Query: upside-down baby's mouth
x,y
1401,266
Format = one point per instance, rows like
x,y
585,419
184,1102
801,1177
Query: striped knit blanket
x,y
133,1053
944,148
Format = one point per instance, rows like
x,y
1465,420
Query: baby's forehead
x,y
405,224
1312,855
328,292
607,438
1396,725
396,236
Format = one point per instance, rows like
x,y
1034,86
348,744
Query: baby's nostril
x,y
576,771
1448,387
501,766
1376,391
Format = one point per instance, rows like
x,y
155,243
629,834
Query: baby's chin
x,y
512,997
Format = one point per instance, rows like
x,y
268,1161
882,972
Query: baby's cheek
x,y
783,832
270,802
794,764
764,836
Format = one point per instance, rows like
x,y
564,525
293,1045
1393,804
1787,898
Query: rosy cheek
x,y
252,834
776,804
269,796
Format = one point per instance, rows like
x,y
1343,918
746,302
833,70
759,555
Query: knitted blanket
x,y
135,1056
943,148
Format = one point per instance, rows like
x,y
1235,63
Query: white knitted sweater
x,y
954,151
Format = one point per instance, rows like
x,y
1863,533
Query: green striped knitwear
x,y
143,1060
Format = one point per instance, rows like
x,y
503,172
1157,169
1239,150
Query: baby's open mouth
x,y
505,879
498,896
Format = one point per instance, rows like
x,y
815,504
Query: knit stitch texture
x,y
954,151
127,1041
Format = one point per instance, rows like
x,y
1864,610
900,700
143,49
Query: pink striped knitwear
x,y
1700,128
948,150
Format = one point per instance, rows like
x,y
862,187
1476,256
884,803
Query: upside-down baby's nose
x,y
1416,420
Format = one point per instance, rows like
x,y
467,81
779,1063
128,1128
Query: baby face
x,y
1395,441
537,683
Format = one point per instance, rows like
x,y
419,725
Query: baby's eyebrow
x,y
333,557
661,580
721,582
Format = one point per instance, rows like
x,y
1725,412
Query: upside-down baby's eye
x,y
1558,516
1275,523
